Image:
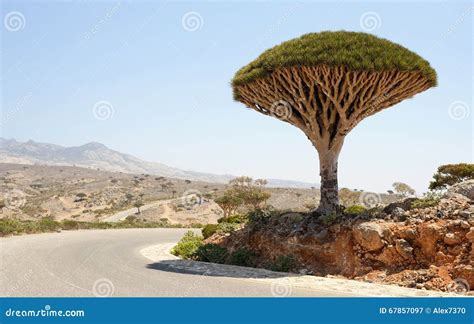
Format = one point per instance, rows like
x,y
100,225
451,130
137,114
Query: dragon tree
x,y
325,84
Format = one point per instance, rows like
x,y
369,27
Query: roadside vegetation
x,y
47,224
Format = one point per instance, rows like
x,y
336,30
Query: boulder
x,y
369,236
451,239
404,204
404,248
465,188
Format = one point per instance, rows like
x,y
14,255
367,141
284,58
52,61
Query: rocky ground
x,y
83,194
418,247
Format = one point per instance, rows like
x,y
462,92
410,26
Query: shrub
x,y
284,263
328,219
188,245
209,230
261,214
355,210
47,224
227,228
211,253
242,257
236,219
68,224
429,199
10,226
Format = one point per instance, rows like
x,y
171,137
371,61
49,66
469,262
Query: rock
x,y
470,235
369,236
465,274
465,188
451,239
404,248
405,205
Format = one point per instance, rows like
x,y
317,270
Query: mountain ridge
x,y
99,156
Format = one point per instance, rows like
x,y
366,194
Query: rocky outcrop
x,y
430,249
465,188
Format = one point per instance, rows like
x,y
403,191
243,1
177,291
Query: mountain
x,y
98,156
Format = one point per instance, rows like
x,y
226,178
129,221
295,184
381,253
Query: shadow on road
x,y
214,270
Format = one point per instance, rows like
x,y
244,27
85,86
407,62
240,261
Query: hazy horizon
x,y
152,80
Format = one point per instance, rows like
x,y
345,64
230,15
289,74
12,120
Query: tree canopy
x,y
356,51
450,174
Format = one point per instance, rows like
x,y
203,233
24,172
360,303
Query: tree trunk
x,y
329,202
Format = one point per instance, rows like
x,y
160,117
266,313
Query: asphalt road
x,y
109,263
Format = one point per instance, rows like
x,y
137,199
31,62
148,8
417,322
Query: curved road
x,y
109,262
70,263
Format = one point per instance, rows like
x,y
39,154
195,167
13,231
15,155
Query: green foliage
x,y
211,253
284,263
234,219
68,224
451,174
48,224
261,214
329,219
209,230
354,50
429,199
188,245
227,228
242,257
355,210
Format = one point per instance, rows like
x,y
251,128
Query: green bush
x,y
227,228
211,253
188,245
10,226
261,214
68,224
209,230
355,210
236,219
242,257
48,224
329,219
429,199
284,263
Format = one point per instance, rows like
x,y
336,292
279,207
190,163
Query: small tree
x,y
325,84
137,205
451,174
403,189
229,202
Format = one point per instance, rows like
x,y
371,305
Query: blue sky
x,y
168,83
